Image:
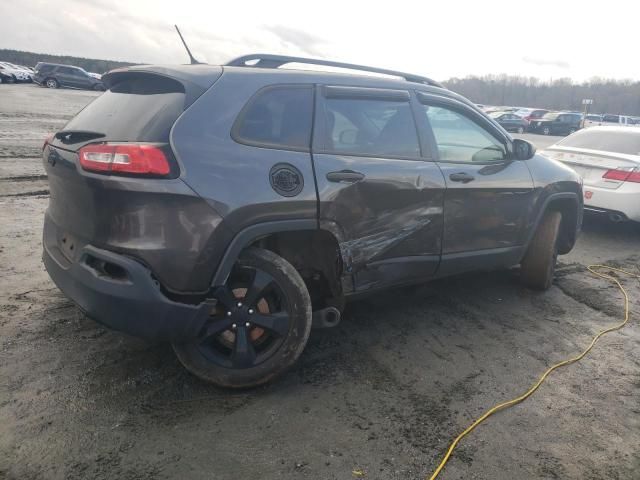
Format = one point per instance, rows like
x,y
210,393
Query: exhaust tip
x,y
326,318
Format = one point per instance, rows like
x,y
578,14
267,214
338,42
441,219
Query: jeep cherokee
x,y
228,208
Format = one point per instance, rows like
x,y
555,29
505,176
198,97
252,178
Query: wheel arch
x,y
568,205
314,252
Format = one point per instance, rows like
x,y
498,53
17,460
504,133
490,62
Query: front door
x,y
376,193
488,194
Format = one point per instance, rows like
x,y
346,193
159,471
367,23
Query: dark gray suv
x,y
52,75
228,209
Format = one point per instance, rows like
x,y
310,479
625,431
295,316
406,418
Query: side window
x,y
277,117
460,139
362,126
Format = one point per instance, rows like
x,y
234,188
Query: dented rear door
x,y
382,200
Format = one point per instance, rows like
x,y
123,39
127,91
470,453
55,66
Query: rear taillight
x,y
621,175
124,159
48,140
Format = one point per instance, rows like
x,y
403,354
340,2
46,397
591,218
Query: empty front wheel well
x,y
315,254
569,210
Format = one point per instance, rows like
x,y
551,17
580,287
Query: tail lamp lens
x,y
124,159
47,141
623,175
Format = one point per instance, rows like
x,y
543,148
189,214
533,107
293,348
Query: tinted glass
x,y
618,142
370,127
460,139
141,108
277,117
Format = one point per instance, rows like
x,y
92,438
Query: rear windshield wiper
x,y
77,136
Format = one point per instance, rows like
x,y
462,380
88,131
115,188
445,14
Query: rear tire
x,y
256,332
520,129
539,263
51,83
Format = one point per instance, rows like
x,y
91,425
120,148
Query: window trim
x,y
348,92
427,99
235,128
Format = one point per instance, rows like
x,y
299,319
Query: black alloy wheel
x,y
258,328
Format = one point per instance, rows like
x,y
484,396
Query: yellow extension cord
x,y
528,393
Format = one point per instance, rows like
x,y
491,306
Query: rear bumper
x,y
619,201
130,301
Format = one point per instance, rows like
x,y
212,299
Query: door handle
x,y
348,176
461,177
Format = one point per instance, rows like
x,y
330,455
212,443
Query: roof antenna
x,y
193,60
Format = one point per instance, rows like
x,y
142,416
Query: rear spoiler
x,y
196,79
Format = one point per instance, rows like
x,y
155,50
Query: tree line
x,y
609,96
29,59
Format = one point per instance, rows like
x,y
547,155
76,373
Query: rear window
x,y
141,107
44,68
277,117
619,142
370,127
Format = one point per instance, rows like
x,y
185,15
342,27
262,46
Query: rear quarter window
x,y
277,117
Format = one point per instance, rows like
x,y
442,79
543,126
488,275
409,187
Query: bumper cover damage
x,y
130,301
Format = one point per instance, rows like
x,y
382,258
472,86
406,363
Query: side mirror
x,y
523,150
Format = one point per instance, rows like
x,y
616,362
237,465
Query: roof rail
x,y
265,60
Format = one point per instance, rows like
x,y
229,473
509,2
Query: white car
x,y
610,120
608,160
18,74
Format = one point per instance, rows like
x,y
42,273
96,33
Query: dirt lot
x,y
385,392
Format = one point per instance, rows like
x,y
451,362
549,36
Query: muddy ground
x,y
385,392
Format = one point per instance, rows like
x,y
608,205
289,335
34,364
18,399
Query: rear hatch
x,y
106,202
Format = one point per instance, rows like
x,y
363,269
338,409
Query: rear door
x,y
379,196
64,76
488,194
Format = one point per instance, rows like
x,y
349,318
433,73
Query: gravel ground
x,y
385,392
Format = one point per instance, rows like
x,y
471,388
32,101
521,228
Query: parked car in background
x,y
15,74
197,204
534,114
500,109
5,75
608,160
610,120
53,75
510,121
556,123
592,119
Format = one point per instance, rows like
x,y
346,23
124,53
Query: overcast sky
x,y
440,39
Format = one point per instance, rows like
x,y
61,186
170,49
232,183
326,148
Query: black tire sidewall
x,y
538,265
299,308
